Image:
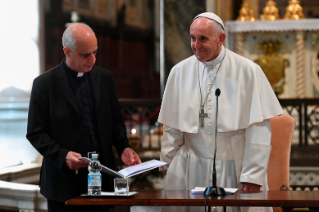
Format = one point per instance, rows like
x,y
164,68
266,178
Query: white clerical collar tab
x,y
211,16
80,74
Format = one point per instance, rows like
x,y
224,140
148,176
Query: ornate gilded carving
x,y
294,10
273,65
246,13
270,12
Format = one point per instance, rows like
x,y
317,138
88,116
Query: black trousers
x,y
54,206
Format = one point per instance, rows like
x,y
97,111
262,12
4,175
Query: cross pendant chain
x,y
202,115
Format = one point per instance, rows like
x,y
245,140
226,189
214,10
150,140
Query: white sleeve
x,y
256,153
259,133
171,143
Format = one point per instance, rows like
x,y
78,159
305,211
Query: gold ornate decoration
x,y
273,65
294,10
246,13
270,12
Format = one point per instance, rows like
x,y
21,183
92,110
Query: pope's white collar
x,y
216,61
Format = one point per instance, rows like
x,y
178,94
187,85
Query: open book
x,y
132,170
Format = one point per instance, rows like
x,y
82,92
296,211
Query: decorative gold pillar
x,y
300,65
239,45
224,9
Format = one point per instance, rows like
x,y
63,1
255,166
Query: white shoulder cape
x,y
246,95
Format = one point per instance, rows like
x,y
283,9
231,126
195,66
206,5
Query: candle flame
x,y
133,131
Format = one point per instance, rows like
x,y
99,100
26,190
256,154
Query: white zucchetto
x,y
211,16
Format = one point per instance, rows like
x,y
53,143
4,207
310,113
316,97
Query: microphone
x,y
217,93
214,190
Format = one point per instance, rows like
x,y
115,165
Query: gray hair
x,y
69,38
217,27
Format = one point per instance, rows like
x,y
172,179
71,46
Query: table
x,y
285,199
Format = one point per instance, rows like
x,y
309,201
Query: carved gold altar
x,y
297,45
273,65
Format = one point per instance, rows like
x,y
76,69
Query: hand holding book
x,y
130,157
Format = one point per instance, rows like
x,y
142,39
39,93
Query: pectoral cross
x,y
202,115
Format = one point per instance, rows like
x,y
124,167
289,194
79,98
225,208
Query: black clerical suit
x,y
55,127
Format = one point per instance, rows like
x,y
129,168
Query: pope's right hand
x,y
73,162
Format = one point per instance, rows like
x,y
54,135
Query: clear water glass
x,y
121,186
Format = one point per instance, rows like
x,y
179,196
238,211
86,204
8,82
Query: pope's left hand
x,y
250,187
130,157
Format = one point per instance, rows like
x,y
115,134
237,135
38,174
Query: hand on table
x,y
250,187
73,162
130,157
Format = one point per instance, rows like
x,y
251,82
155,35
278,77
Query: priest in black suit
x,y
74,110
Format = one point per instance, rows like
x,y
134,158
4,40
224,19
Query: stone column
x,y
300,65
211,6
239,43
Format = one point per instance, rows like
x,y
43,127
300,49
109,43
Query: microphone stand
x,y
214,190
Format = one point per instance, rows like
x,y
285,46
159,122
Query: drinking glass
x,y
121,186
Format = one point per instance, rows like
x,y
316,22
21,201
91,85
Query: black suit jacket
x,y
54,129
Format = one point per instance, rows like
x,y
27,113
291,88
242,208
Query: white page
x,y
140,168
103,193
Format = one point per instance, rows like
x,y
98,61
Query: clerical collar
x,y
211,64
72,72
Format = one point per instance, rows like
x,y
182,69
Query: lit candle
x,y
133,131
134,139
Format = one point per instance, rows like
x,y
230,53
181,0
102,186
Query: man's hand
x,y
73,162
130,157
250,187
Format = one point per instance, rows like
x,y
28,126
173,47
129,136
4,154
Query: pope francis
x,y
246,104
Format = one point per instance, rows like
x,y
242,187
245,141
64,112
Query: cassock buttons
x,y
210,133
209,100
209,108
209,125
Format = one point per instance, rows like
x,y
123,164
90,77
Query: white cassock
x,y
246,104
